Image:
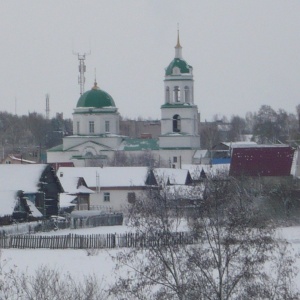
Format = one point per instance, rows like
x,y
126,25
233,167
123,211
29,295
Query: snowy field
x,y
79,264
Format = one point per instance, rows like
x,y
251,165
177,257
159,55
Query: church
x,y
96,135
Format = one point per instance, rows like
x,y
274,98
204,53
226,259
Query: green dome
x,y
180,63
96,98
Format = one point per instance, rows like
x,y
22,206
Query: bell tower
x,y
179,114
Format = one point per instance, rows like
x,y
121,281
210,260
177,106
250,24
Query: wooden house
x,y
76,193
38,183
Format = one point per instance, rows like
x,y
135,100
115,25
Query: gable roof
x,y
21,177
107,176
74,185
210,170
172,176
15,159
8,202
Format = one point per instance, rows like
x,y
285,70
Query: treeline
x,y
264,126
30,135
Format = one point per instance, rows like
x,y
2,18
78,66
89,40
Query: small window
x,y
78,128
91,127
107,126
131,197
106,197
175,159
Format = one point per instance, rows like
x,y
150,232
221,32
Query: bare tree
x,y
47,284
229,250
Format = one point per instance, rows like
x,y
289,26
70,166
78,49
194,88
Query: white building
x,y
96,125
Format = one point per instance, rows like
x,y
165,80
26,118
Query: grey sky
x,y
244,53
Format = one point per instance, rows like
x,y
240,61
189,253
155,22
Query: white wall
x,y
118,199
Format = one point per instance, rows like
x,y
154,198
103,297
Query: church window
x,y
78,128
107,126
91,127
187,94
176,123
167,94
89,154
176,94
106,197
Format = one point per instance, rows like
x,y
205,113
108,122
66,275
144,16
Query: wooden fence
x,y
99,241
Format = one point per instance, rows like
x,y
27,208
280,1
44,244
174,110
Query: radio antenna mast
x,y
82,69
47,106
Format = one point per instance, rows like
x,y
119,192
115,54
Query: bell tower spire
x,y
178,48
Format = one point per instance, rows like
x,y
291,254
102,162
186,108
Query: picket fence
x,y
97,241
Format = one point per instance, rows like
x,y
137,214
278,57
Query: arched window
x,y
88,154
176,93
167,94
187,94
176,123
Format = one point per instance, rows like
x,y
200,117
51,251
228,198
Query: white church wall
x,y
174,158
188,118
82,122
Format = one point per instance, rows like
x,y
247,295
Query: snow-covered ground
x,y
79,264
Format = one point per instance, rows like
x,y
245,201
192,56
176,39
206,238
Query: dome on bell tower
x,y
178,65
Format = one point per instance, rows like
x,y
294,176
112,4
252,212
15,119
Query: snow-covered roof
x,y
34,211
25,161
70,185
66,200
240,144
200,153
21,177
8,202
175,176
210,170
107,176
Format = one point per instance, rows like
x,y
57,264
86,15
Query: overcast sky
x,y
244,53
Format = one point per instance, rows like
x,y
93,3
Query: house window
x,y
107,126
91,127
175,159
131,197
78,128
106,197
176,123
